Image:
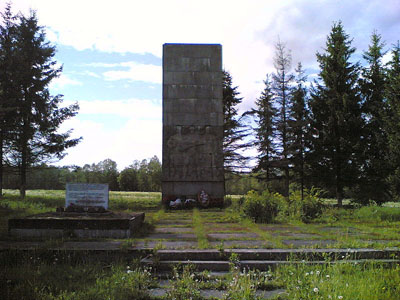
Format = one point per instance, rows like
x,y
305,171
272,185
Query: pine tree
x,y
282,81
265,133
375,165
235,131
392,120
336,109
299,127
35,135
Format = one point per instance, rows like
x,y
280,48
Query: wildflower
x,y
316,290
317,272
311,272
340,297
327,276
329,297
307,274
129,271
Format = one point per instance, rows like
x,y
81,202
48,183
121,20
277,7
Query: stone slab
x,y
229,236
166,244
241,243
172,236
173,230
307,243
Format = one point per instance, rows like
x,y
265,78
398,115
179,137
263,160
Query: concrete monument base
x,y
81,225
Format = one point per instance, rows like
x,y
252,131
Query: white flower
x,y
307,274
317,272
316,290
340,297
327,276
329,297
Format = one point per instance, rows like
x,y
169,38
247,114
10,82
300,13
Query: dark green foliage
x,y
127,179
262,208
300,128
140,176
34,137
375,167
8,95
336,111
305,205
282,81
265,115
234,129
392,93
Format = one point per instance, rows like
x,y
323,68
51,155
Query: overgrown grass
x,y
198,228
50,278
74,282
369,281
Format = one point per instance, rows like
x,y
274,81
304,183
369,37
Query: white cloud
x,y
138,138
136,71
130,108
63,81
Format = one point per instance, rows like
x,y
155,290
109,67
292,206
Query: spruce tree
x,y
35,136
299,127
265,133
392,120
375,165
336,109
235,131
282,81
8,90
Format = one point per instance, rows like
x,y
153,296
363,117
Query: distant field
x,y
118,200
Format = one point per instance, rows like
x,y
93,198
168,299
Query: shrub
x,y
262,208
307,209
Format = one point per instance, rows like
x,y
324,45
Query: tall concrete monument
x,y
192,123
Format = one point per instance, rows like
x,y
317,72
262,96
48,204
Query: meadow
x,y
31,277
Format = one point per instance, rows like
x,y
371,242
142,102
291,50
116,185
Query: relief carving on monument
x,y
192,154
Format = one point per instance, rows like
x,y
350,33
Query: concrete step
x,y
277,254
262,265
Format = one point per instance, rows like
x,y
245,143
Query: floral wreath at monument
x,y
203,198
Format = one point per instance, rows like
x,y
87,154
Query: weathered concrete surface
x,y
192,122
81,225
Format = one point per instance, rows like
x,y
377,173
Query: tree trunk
x,y
339,186
302,175
22,172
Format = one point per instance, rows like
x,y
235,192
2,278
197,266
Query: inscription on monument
x,y
86,194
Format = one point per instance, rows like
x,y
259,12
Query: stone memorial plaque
x,y
86,194
192,122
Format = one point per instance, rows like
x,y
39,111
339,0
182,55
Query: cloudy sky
x,y
112,53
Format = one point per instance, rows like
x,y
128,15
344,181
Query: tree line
x,y
340,132
144,175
